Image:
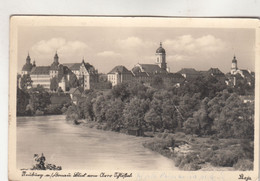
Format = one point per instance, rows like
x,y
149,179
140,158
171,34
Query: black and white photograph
x,y
133,98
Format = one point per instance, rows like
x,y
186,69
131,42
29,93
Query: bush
x,y
191,167
225,158
207,155
214,137
63,110
244,164
39,113
189,162
214,147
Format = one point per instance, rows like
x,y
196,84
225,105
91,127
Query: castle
x,y
63,74
66,76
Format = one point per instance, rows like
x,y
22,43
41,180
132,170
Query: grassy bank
x,y
190,152
196,153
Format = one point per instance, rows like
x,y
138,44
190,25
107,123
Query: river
x,y
77,147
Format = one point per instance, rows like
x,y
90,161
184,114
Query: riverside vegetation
x,y
200,124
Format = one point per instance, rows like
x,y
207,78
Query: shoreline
x,y
178,154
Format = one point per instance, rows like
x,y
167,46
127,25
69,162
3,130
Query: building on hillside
x,y
119,74
216,73
237,74
43,75
145,73
189,73
75,94
85,72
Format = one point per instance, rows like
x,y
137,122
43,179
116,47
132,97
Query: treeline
x,y
204,106
38,101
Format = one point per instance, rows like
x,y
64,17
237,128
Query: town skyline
x,y
198,49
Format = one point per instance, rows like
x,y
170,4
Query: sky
x,y
107,47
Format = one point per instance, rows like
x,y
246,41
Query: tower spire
x,y
28,59
56,58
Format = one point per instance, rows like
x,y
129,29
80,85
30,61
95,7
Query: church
x,y
63,74
237,74
146,73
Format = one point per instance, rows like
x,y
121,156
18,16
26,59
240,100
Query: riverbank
x,y
191,153
206,154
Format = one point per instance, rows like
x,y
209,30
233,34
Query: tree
x,y
22,101
191,126
157,82
26,82
99,108
54,84
163,113
39,98
236,119
134,112
121,91
201,116
137,89
114,114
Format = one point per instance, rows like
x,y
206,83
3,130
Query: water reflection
x,y
76,147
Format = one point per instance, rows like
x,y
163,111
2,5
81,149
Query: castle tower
x,y
234,66
54,69
56,58
28,59
34,64
27,66
161,57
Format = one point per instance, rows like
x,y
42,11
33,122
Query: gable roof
x,y
152,68
76,66
40,70
190,71
216,71
120,69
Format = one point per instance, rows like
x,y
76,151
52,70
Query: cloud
x,y
134,42
187,46
108,54
66,49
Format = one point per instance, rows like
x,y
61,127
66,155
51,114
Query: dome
x,y
160,49
27,67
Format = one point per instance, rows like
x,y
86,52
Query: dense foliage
x,y
204,106
37,101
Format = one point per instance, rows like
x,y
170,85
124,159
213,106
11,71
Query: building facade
x,y
145,73
44,75
119,74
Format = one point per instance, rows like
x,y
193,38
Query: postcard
x,y
133,98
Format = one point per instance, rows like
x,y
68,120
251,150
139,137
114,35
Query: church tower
x,y
161,57
54,69
28,66
56,58
234,66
